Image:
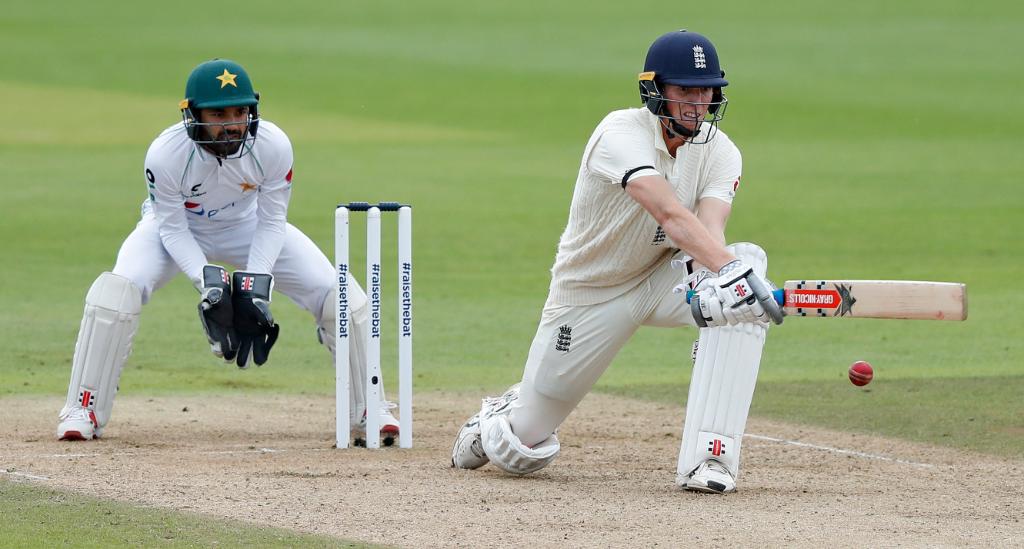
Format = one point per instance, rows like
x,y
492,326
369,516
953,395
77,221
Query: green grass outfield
x,y
881,140
36,517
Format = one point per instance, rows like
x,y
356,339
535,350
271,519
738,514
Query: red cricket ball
x,y
861,373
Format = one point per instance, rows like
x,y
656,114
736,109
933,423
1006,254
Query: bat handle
x,y
779,295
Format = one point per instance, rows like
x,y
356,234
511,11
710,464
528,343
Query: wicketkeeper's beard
x,y
225,144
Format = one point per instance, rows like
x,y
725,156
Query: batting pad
x,y
109,323
721,390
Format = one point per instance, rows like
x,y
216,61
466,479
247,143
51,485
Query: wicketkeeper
x,y
646,223
219,184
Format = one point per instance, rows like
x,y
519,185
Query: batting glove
x,y
737,295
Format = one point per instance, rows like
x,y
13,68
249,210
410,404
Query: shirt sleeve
x,y
620,156
272,210
723,176
169,209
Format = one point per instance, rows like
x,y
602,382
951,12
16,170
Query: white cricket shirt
x,y
611,243
191,191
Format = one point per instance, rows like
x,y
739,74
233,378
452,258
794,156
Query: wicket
x,y
373,293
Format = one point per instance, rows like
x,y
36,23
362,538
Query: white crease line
x,y
255,451
274,451
23,475
839,450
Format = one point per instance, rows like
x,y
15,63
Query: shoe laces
x,y
508,396
718,467
80,414
385,408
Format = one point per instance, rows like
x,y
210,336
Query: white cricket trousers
x,y
302,272
575,344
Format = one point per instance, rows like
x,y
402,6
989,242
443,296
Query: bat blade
x,y
897,299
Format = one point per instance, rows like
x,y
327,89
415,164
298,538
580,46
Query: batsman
x,y
219,183
646,223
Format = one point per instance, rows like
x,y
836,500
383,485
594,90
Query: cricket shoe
x,y
388,426
711,477
77,423
468,452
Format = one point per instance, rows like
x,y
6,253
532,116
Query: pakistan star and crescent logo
x,y
227,78
846,300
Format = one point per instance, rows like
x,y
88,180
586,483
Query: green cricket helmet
x,y
218,84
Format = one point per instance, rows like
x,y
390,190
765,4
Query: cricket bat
x,y
902,299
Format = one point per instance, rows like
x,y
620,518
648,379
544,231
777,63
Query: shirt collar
x,y
655,124
200,151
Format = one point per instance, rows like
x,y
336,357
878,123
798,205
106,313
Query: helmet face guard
x,y
688,60
221,138
219,84
703,130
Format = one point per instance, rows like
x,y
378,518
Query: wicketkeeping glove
x,y
250,295
215,312
737,295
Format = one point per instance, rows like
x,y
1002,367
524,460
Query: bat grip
x,y
779,295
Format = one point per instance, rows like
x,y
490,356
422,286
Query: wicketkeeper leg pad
x,y
359,319
111,318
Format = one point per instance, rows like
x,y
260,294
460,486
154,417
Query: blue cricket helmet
x,y
685,59
689,60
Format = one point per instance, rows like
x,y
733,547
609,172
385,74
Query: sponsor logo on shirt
x,y
216,211
150,184
198,209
